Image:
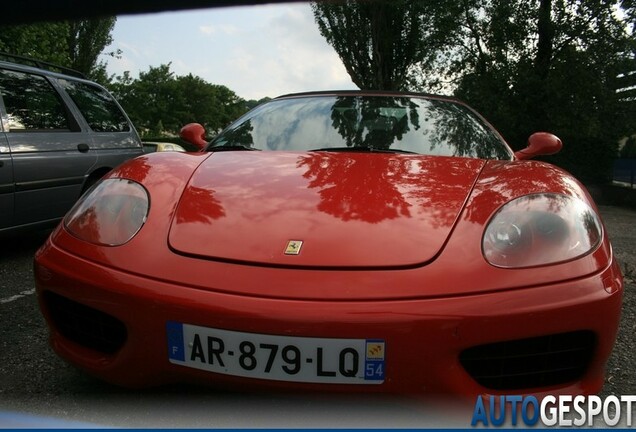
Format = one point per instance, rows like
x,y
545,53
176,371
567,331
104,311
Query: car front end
x,y
335,270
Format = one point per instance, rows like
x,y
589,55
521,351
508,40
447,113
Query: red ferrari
x,y
340,242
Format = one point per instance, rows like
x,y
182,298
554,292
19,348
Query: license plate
x,y
280,358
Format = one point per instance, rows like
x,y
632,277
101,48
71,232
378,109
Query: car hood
x,y
349,210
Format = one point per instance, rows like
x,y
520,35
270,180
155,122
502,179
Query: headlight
x,y
110,214
541,229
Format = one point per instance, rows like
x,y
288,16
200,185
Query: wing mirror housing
x,y
540,144
194,133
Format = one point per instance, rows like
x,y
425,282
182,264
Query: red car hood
x,y
349,209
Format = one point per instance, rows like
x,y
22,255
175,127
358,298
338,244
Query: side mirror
x,y
194,133
540,144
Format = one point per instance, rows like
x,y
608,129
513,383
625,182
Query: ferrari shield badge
x,y
293,247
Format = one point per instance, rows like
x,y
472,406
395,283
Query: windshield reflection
x,y
378,123
375,123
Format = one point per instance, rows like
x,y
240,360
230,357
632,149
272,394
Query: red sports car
x,y
340,242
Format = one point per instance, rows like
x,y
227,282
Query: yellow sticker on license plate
x,y
280,358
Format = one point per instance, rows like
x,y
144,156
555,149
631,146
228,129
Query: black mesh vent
x,y
84,325
528,363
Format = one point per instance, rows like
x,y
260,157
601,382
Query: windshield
x,y
365,123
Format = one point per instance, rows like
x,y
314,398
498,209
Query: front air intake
x,y
84,325
530,363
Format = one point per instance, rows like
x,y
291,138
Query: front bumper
x,y
426,339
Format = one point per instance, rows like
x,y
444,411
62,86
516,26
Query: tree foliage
x,y
86,42
36,41
160,103
73,44
380,41
548,65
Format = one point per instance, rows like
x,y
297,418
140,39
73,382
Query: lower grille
x,y
530,363
84,325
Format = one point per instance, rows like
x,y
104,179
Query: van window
x,y
31,102
97,106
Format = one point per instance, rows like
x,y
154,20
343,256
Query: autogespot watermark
x,y
564,410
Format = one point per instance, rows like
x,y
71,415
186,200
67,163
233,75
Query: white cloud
x,y
208,30
227,29
286,53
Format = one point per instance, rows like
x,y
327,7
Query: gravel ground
x,y
621,370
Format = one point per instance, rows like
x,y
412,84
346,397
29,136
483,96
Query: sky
x,y
255,51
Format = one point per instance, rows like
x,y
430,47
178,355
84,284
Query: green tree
x,y
86,41
548,65
253,103
212,105
150,98
380,42
627,79
158,97
629,7
73,44
43,41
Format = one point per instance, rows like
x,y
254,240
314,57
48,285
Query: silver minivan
x,y
59,134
